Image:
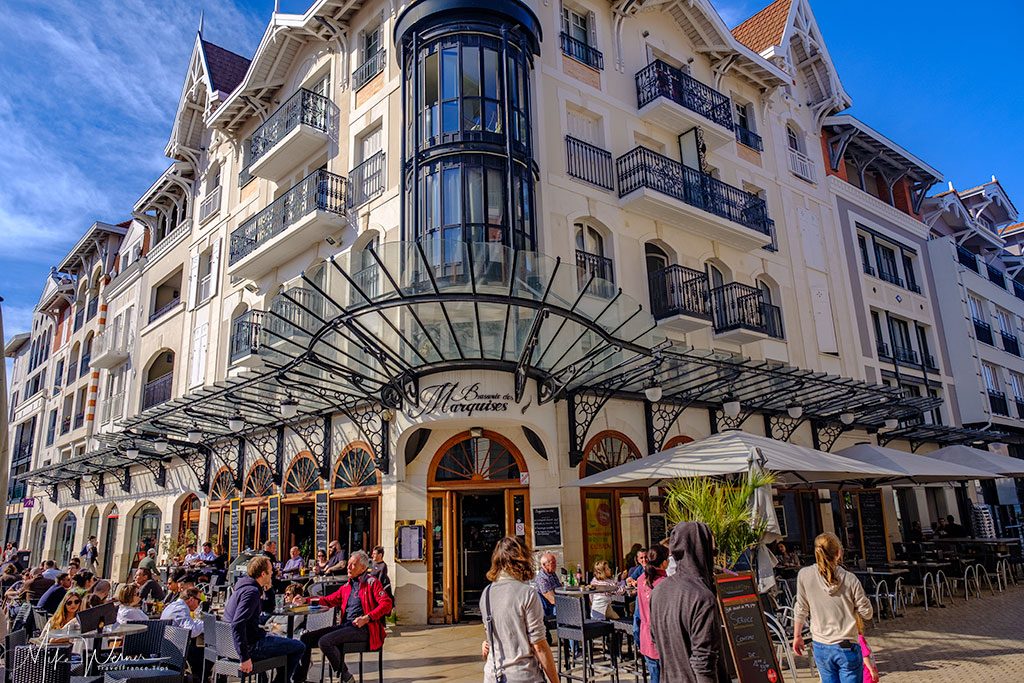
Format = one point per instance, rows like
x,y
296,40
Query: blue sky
x,y
90,90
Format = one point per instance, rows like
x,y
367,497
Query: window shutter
x,y
215,265
198,360
193,280
592,28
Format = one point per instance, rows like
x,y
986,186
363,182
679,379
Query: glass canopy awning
x,y
359,331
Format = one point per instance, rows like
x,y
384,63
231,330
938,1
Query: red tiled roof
x,y
764,29
227,69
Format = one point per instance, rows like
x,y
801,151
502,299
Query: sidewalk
x,y
981,641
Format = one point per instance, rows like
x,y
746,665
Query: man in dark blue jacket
x,y
243,613
50,600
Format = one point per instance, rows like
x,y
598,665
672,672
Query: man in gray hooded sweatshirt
x,y
684,611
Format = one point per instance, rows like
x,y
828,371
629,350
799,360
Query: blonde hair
x,y
60,616
602,570
126,593
827,550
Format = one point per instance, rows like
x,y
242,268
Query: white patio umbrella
x,y
917,469
999,465
733,452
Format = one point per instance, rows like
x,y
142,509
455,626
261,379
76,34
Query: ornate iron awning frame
x,y
357,338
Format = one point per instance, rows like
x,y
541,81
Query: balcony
x,y
302,216
883,350
983,331
995,276
997,402
680,299
165,309
741,315
868,270
913,287
666,190
210,205
113,408
749,138
595,274
1010,343
367,179
65,425
1020,407
891,278
245,338
929,361
581,52
589,163
966,258
678,101
1018,290
905,355
801,165
158,391
297,130
112,347
368,69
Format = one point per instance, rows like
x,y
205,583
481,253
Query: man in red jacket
x,y
363,603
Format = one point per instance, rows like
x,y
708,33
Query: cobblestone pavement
x,y
980,641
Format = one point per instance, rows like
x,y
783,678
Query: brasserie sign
x,y
453,398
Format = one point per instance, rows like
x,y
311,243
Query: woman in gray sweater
x,y
516,649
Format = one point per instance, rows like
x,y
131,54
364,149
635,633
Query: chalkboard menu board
x,y
547,527
753,654
234,536
657,528
321,517
274,523
872,528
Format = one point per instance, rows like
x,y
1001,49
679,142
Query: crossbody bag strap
x,y
497,653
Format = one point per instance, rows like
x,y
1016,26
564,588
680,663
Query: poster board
x,y
657,528
872,528
547,527
749,643
234,537
321,519
411,540
274,522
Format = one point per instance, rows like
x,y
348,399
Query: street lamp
x,y
289,407
236,423
132,453
892,423
161,445
653,392
731,407
194,436
846,419
795,410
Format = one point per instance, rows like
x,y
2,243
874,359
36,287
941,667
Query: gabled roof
x,y
96,232
766,28
225,68
15,343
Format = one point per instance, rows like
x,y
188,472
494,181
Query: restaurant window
x,y
145,531
188,519
613,519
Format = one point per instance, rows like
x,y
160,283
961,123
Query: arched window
x,y
355,468
794,139
159,380
593,261
145,530
303,476
678,440
223,487
589,239
605,451
66,527
188,519
766,291
656,257
485,458
715,277
259,483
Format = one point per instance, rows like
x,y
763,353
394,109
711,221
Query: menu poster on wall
x,y
411,542
872,525
234,537
274,522
599,527
321,517
657,528
753,655
547,527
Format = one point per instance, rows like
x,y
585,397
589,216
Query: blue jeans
x,y
838,664
653,669
275,646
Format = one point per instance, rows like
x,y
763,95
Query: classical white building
x,y
415,267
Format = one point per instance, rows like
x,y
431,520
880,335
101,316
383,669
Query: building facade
x,y
415,268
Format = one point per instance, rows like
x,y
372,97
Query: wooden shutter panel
x,y
215,265
193,280
592,28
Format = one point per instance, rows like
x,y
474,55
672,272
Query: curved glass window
x,y
303,476
355,468
477,459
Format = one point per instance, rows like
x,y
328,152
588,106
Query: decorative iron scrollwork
x,y
157,469
229,453
266,445
721,422
198,460
75,489
583,409
827,433
315,437
374,429
660,418
123,477
781,426
99,486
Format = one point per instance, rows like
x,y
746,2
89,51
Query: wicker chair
x,y
574,626
41,665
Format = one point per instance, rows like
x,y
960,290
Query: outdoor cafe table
x,y
880,574
291,612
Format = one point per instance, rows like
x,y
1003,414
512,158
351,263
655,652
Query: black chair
x,y
228,658
148,643
45,665
360,649
573,626
12,641
635,663
171,668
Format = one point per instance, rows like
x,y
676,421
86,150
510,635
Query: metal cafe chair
x,y
170,668
781,640
228,658
981,572
574,626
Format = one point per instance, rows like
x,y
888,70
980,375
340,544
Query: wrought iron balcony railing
x,y
983,331
1010,343
158,391
596,273
659,79
995,276
869,269
883,350
245,334
929,361
966,258
305,107
678,290
890,277
589,163
165,309
747,137
997,402
905,355
373,65
736,305
645,168
367,179
1020,407
319,191
581,51
913,287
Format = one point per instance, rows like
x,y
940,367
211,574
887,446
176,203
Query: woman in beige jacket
x,y
831,598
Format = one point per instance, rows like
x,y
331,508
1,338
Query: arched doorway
x,y
614,519
478,492
355,499
109,542
65,526
145,531
38,539
221,492
256,492
301,482
188,519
